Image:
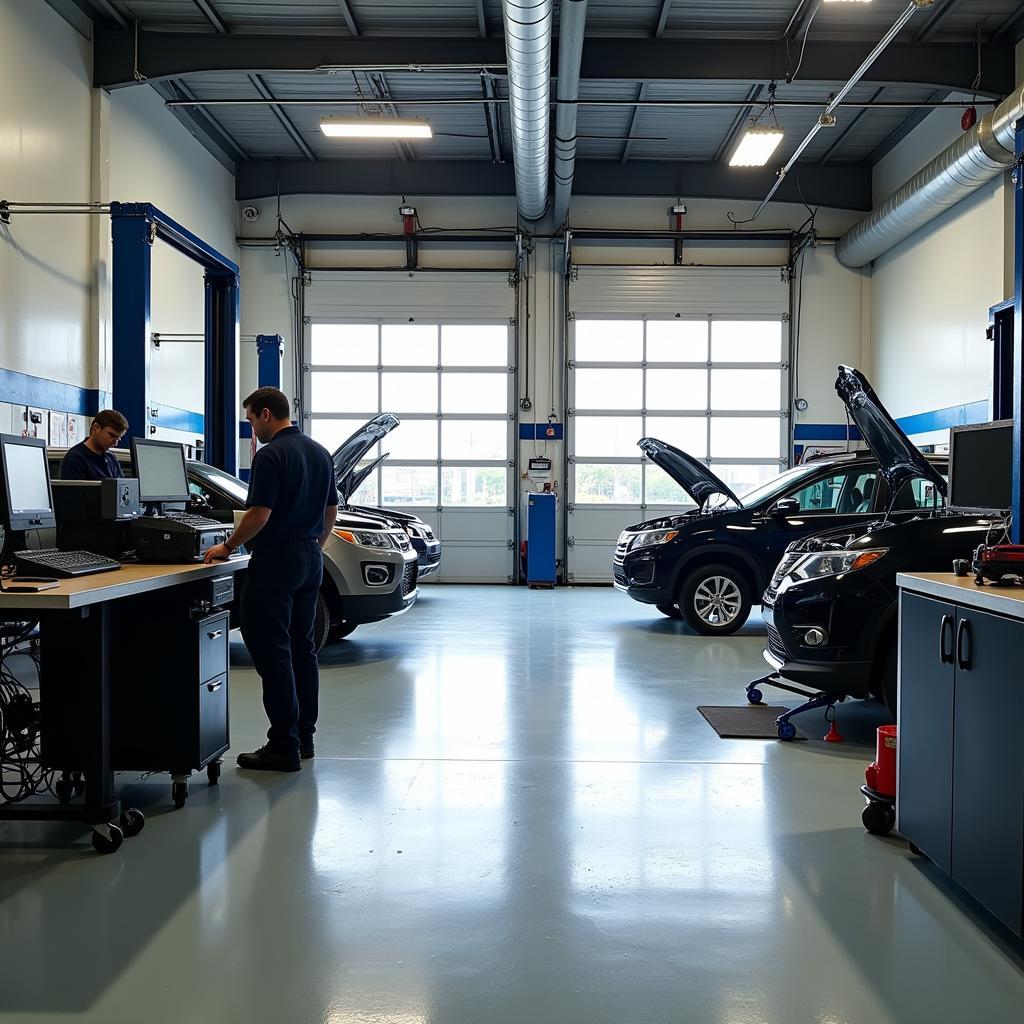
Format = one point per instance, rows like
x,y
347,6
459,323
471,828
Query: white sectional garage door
x,y
697,357
435,349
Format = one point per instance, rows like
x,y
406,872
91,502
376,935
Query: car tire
x,y
888,677
670,610
715,591
321,622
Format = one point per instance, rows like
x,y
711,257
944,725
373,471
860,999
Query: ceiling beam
x,y
209,12
898,134
106,7
640,97
493,116
850,125
934,22
350,18
666,7
206,129
174,55
77,13
1011,28
802,14
738,123
481,18
847,186
282,118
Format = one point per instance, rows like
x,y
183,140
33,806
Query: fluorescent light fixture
x,y
369,128
756,147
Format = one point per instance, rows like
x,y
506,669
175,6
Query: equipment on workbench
x,y
999,564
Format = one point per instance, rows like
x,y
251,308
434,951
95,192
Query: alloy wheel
x,y
717,601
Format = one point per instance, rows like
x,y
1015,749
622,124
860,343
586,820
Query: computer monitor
x,y
160,468
27,500
981,466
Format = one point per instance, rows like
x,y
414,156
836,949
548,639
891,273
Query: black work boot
x,y
306,749
267,760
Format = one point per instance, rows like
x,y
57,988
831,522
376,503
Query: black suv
x,y
831,607
706,565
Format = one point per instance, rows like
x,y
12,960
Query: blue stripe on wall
x,y
24,389
918,423
538,431
171,418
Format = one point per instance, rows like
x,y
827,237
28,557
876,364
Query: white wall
x,y
62,141
930,295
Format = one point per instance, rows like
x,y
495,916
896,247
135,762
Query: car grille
x,y
775,644
432,557
620,551
409,578
783,569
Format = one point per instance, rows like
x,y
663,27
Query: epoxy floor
x,y
516,816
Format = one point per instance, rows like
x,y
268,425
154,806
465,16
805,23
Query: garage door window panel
x,y
332,432
408,392
609,389
609,341
746,341
473,392
470,440
409,345
474,486
474,345
607,436
608,483
344,344
746,389
676,389
688,433
750,437
408,485
340,391
677,341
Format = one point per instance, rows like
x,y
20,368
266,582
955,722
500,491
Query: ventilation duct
x,y
975,158
571,26
528,55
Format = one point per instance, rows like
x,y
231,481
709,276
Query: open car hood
x,y
693,476
351,481
348,455
898,458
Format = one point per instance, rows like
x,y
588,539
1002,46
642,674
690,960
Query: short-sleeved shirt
x,y
293,476
82,463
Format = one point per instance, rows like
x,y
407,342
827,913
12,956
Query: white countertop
x,y
964,591
129,580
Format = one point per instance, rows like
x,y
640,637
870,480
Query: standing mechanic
x,y
91,459
292,507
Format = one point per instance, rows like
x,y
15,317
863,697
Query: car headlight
x,y
651,537
832,563
368,538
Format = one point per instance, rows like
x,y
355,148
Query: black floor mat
x,y
747,722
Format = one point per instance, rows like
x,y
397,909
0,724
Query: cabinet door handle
x,y
214,687
963,632
216,634
946,657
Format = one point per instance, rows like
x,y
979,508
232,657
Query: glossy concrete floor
x,y
516,815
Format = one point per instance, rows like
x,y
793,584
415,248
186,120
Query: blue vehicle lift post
x,y
269,352
134,229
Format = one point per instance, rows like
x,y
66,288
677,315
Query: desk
x,y
960,786
77,617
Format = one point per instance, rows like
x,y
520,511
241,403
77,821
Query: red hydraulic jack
x,y
833,735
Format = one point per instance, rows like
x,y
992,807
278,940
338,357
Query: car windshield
x,y
225,482
766,491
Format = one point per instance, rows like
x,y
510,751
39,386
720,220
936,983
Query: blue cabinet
x,y
540,548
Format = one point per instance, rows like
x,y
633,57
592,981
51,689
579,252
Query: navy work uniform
x,y
293,476
82,463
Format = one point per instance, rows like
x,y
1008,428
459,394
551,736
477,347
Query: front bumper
x,y
428,556
639,575
831,669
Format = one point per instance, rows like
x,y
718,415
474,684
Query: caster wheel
x,y
755,696
108,843
878,819
787,731
64,790
917,851
179,794
133,821
213,773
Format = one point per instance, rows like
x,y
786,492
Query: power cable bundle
x,y
21,772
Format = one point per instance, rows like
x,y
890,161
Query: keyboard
x,y
196,522
52,562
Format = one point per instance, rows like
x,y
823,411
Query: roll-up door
x,y
695,356
437,350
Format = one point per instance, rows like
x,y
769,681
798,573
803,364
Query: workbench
x,y
960,767
80,656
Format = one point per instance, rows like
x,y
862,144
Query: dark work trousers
x,y
278,610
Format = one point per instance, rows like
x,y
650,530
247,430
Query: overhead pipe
x,y
528,50
571,27
978,156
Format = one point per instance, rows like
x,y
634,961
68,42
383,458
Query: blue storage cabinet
x,y
540,548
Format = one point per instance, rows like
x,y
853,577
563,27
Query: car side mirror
x,y
786,507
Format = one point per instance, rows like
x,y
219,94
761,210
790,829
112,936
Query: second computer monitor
x,y
160,467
